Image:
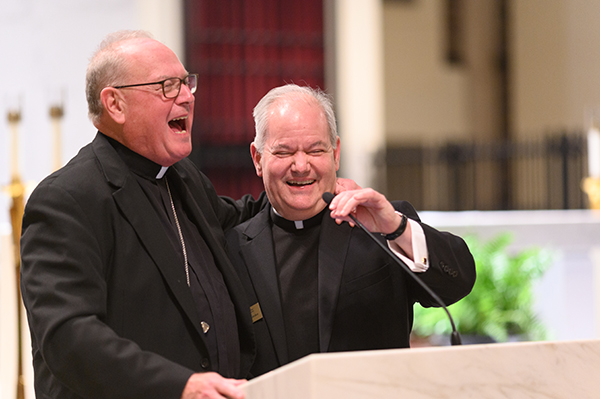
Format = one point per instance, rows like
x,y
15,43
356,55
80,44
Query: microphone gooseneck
x,y
455,336
327,197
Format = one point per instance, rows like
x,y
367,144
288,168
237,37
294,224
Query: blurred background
x,y
478,112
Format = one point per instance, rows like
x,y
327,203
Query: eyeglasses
x,y
171,86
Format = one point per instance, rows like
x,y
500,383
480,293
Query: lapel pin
x,y
205,326
255,312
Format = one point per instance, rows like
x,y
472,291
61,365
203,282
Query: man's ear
x,y
256,158
114,104
336,154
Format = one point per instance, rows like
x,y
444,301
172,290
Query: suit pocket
x,y
368,279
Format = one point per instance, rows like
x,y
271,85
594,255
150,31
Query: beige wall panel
x,y
425,98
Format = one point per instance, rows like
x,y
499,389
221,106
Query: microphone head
x,y
327,197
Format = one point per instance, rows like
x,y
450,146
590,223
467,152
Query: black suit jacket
x,y
110,313
365,299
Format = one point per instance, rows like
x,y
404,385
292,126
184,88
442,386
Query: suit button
x,y
205,363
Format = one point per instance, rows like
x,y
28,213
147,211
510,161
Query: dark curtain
x,y
241,49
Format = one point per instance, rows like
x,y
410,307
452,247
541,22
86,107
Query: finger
x,y
230,390
346,207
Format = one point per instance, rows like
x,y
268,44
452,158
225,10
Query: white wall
x,y
45,47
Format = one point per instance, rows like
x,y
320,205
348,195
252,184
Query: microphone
x,y
455,336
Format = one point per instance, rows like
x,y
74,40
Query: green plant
x,y
501,302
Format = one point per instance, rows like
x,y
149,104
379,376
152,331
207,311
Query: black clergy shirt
x,y
296,256
209,291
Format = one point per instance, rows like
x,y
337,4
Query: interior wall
x,y
556,63
482,36
425,97
45,47
554,59
539,65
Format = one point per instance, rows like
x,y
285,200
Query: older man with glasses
x,y
128,289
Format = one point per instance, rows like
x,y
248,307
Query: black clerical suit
x,y
104,284
364,300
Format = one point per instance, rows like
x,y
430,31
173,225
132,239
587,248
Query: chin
x,y
178,156
306,211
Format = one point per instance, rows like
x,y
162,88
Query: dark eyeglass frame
x,y
182,81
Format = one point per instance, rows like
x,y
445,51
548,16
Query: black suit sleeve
x,y
451,273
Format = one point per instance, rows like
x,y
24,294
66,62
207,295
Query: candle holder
x,y
56,114
591,186
14,116
56,111
16,191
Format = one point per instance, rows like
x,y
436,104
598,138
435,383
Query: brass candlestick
x,y
591,186
16,215
14,117
16,191
56,114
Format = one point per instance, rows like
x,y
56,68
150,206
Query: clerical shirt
x,y
209,291
297,261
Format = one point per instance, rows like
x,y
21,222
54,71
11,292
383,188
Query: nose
x,y
300,162
185,95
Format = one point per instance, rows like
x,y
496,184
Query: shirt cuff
x,y
419,246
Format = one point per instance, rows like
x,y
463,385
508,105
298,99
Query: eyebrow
x,y
163,77
309,147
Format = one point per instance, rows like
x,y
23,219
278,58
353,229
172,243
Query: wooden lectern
x,y
562,369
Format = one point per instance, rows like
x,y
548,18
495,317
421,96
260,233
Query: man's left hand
x,y
369,207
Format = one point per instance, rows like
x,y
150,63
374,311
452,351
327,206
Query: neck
x,y
299,215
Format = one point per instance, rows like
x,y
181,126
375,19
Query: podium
x,y
561,369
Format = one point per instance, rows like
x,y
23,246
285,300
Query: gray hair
x,y
107,68
262,109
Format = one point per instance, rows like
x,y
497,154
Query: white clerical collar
x,y
298,223
161,173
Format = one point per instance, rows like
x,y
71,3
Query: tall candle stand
x,y
16,191
56,114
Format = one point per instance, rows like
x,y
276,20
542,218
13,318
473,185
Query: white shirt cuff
x,y
419,246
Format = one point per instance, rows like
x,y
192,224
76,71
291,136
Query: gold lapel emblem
x,y
255,312
205,326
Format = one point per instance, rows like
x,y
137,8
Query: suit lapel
x,y
333,248
130,198
196,206
258,252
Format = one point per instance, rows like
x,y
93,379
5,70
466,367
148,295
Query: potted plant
x,y
500,306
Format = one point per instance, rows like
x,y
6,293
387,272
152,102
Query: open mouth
x,y
302,183
178,124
